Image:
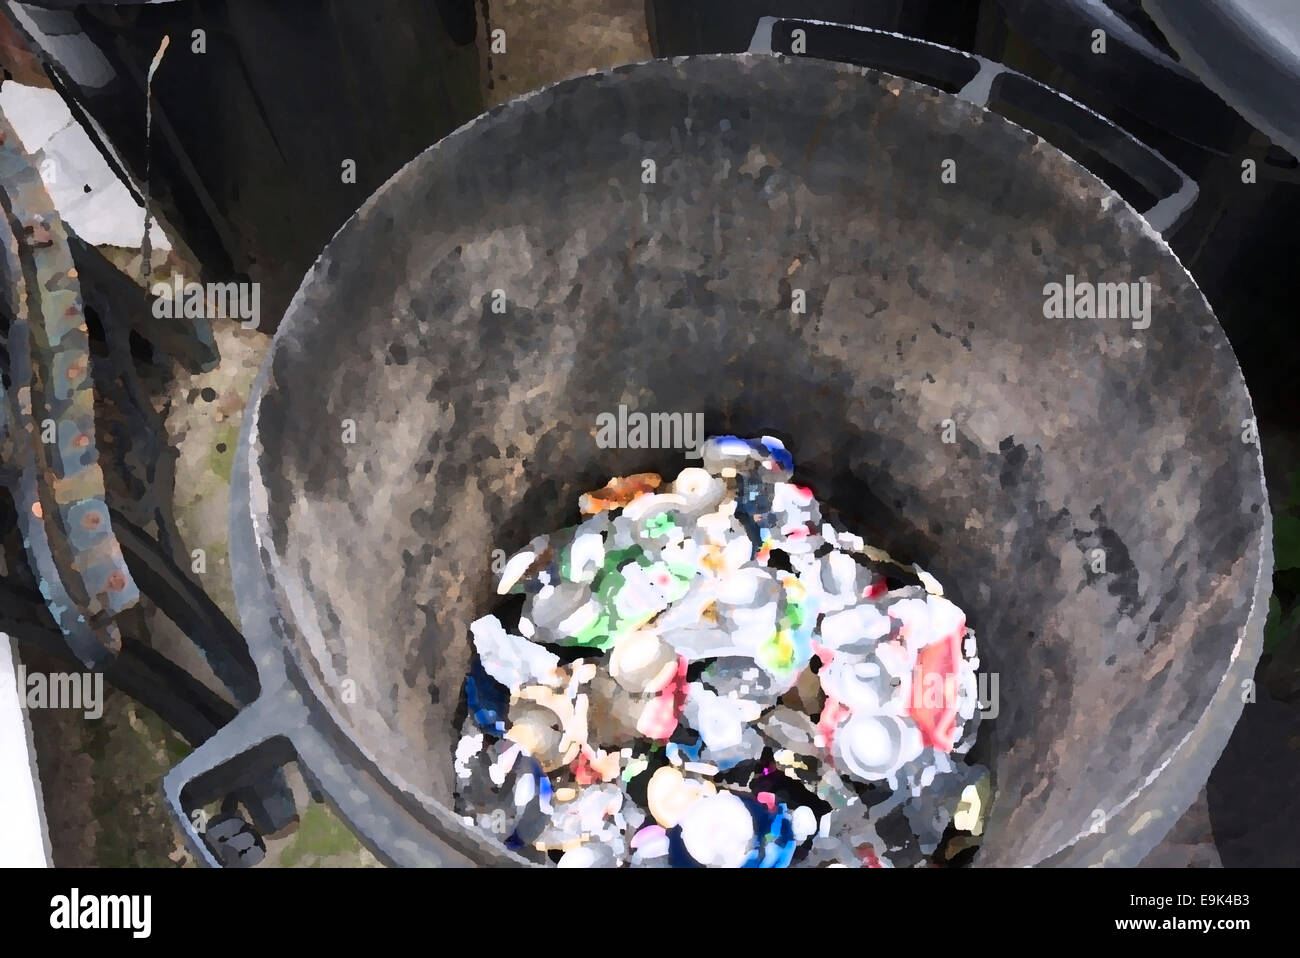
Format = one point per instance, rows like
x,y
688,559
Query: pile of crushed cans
x,y
705,673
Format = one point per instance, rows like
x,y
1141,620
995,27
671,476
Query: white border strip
x,y
24,837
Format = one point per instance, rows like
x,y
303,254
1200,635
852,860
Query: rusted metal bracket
x,y
48,405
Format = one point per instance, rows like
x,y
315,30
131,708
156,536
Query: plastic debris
x,y
619,492
511,659
718,830
755,687
972,808
670,793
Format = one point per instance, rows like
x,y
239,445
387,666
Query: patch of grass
x,y
320,835
1279,627
216,551
132,748
220,463
1286,542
